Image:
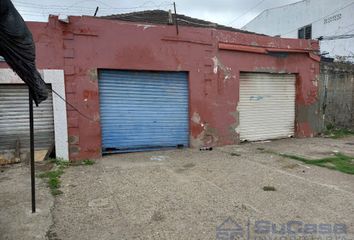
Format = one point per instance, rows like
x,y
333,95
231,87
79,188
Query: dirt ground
x,y
184,194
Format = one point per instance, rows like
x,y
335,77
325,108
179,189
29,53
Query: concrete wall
x,y
328,18
88,44
337,94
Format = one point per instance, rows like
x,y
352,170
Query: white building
x,y
329,20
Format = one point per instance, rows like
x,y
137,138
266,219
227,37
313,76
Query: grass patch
x,y
339,162
88,162
53,176
336,133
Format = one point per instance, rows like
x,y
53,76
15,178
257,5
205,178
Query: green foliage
x,y
53,176
60,162
88,162
335,133
339,162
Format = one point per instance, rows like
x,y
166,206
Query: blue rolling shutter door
x,y
143,110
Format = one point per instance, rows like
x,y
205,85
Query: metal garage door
x,y
143,110
267,106
14,119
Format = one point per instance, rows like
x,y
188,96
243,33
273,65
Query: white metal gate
x,y
267,106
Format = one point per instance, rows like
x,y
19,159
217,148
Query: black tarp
x,y
18,49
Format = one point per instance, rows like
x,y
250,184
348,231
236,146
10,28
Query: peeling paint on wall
x,y
145,26
92,73
315,81
233,127
227,71
308,121
207,138
196,118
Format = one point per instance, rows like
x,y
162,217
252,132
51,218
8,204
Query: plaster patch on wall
x,y
179,67
96,117
306,116
233,127
272,44
315,81
196,118
92,73
215,61
207,138
145,26
227,71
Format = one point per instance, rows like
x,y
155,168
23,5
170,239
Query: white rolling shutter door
x,y
266,106
14,119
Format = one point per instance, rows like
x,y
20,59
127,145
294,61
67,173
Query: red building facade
x,y
212,57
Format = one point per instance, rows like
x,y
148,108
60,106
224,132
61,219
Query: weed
x,y
335,133
53,176
54,183
61,163
88,162
56,192
339,162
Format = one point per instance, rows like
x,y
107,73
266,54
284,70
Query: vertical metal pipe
x,y
96,11
33,183
176,21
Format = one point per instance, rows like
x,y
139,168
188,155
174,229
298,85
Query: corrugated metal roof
x,y
162,17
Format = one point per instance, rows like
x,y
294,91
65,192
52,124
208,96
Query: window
x,y
2,59
305,32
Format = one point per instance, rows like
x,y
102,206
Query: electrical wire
x,y
73,6
351,30
73,107
340,28
344,35
348,5
336,37
30,13
26,10
243,14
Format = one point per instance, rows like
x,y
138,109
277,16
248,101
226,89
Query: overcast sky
x,y
235,13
